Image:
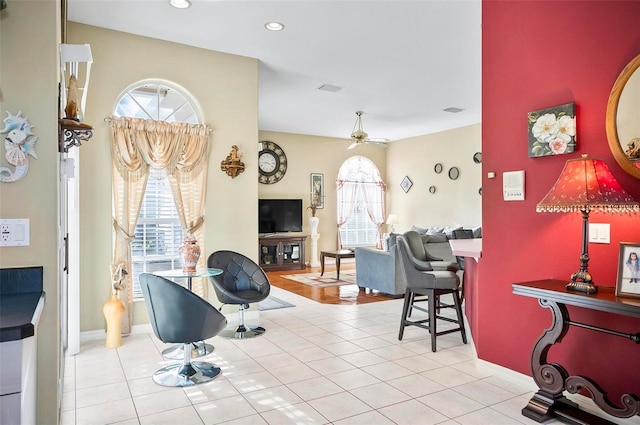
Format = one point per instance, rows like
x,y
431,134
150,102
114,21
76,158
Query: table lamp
x,y
586,185
391,220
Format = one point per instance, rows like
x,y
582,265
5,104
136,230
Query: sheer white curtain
x,y
346,192
181,149
359,175
374,193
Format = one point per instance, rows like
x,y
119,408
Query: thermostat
x,y
513,185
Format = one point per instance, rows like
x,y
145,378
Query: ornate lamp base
x,y
581,281
588,288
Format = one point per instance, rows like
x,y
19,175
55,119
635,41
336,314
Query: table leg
x,y
321,263
337,267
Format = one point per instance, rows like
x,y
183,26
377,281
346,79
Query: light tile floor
x,y
316,364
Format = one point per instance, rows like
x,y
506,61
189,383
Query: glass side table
x,y
200,349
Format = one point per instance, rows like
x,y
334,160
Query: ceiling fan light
x,y
359,135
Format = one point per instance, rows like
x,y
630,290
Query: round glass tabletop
x,y
179,273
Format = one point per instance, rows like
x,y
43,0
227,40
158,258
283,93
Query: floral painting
x,y
552,131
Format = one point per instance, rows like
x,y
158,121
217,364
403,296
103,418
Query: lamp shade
x,y
392,219
587,184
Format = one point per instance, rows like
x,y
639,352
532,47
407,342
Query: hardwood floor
x,y
345,294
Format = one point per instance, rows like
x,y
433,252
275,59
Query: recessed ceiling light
x,y
180,4
274,26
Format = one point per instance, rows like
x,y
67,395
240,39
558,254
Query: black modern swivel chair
x,y
242,282
179,316
432,284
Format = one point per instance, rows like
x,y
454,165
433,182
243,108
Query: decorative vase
x,y
313,222
189,253
113,310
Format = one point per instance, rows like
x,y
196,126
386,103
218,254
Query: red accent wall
x,y
538,54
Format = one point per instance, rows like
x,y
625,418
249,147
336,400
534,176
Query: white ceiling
x,y
401,62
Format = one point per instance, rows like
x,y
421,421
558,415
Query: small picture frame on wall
x,y
317,190
628,282
552,131
406,184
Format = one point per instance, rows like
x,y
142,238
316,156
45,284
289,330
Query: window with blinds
x,y
359,230
158,234
361,172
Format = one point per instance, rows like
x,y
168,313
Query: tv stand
x,y
280,252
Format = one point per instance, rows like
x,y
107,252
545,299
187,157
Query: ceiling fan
x,y
359,136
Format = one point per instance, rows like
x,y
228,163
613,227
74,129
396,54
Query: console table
x,y
552,379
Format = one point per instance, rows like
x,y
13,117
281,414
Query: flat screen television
x,y
279,215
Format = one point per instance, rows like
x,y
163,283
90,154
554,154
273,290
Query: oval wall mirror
x,y
623,125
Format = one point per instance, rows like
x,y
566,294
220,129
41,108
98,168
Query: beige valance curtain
x,y
179,148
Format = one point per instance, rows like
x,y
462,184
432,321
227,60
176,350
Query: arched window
x,y
361,203
158,233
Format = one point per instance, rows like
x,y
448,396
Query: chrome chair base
x,y
198,349
181,375
242,332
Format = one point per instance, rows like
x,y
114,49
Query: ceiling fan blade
x,y
378,144
353,145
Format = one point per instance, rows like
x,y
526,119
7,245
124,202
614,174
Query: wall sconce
x,y
73,95
232,164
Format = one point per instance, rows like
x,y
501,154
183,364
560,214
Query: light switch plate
x,y
599,233
14,232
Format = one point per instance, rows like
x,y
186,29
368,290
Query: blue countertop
x,y
20,293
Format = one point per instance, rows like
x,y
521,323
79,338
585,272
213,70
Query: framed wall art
x,y
552,131
317,190
406,184
628,282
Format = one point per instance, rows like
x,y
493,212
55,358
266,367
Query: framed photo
x,y
406,184
552,131
628,282
317,190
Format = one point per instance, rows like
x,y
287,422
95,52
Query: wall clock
x,y
272,163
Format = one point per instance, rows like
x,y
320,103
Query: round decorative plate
x,y
272,163
438,168
454,173
432,189
477,157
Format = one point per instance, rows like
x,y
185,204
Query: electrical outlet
x,y
14,232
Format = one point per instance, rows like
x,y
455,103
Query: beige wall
x,y
29,83
456,202
312,154
226,87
